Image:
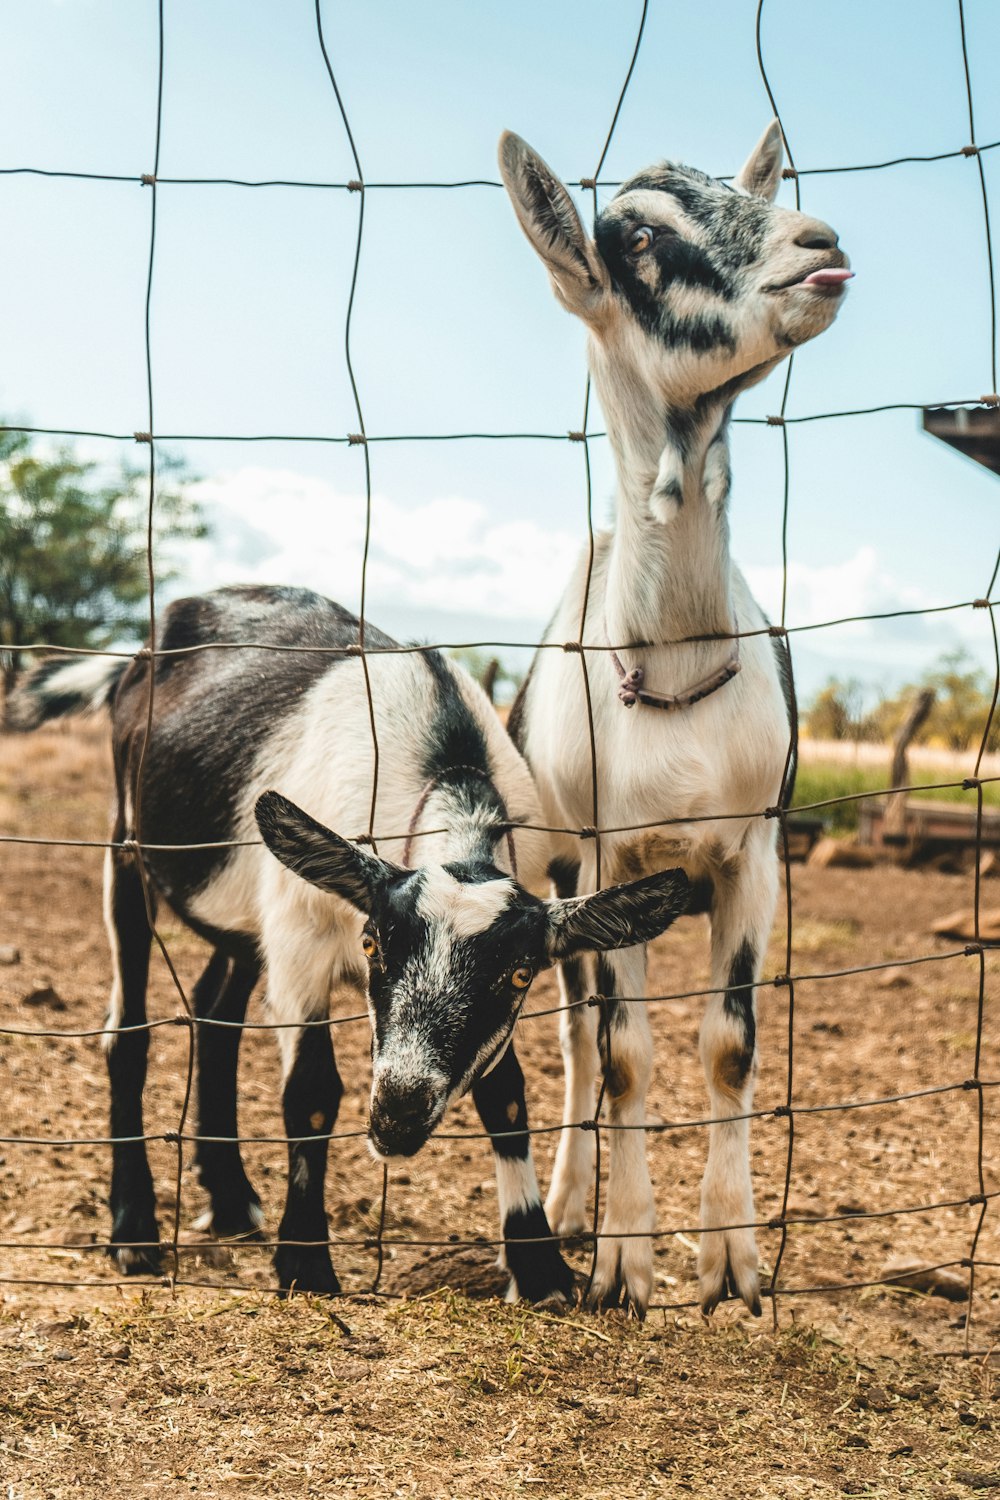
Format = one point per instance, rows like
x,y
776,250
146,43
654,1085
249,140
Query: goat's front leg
x,y
742,912
624,1271
299,990
537,1269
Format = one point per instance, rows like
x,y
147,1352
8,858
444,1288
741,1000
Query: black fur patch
x,y
739,1003
537,1268
213,710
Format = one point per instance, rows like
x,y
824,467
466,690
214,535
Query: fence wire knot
x,y
973,950
354,186
970,150
971,1085
588,182
970,783
356,439
588,832
778,1223
781,982
782,1111
773,812
992,398
143,437
977,1199
980,604
775,421
577,437
789,174
148,179
589,1125
777,631
172,1137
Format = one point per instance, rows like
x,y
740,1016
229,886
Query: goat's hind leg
x,y
537,1269
135,1234
742,911
220,1003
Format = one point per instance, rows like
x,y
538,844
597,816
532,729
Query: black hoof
x,y
616,1299
535,1263
230,1219
305,1269
135,1243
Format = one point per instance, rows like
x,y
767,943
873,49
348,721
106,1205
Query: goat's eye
x,y
370,945
640,240
522,977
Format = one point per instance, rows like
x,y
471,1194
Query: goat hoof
x,y
623,1278
232,1221
305,1269
137,1260
728,1269
135,1242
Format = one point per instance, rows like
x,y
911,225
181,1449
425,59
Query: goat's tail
x,y
62,686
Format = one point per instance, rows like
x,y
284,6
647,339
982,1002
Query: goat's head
x,y
451,951
689,285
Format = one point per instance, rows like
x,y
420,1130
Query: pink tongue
x,y
828,277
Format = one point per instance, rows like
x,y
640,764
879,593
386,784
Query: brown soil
x,y
212,1388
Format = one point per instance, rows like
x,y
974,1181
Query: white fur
x,y
462,908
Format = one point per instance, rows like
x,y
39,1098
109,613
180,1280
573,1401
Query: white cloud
x,y
279,526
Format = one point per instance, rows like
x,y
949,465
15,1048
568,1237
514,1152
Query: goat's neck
x,y
669,567
470,817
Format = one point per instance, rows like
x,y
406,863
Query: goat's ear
x,y
760,174
320,856
619,917
547,215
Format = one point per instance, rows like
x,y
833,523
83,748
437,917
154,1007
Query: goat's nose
x,y
817,236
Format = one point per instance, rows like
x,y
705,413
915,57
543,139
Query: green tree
x,y
837,711
73,548
964,692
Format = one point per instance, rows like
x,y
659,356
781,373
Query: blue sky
x,y
454,327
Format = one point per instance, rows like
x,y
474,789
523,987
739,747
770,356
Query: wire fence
x,y
181,1136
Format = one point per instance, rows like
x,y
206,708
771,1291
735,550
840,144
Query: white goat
x,y
691,291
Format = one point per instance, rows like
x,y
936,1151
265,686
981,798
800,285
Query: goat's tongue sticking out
x,y
828,277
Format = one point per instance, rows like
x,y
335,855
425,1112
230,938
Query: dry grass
x,y
445,1397
215,1394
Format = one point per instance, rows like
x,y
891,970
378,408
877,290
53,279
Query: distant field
x,y
839,770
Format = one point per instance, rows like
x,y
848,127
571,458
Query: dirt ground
x,y
438,1388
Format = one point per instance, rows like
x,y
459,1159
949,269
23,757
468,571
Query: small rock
x,y
934,1283
9,954
44,995
893,979
836,852
962,924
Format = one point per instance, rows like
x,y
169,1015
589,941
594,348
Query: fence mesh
x,y
791,1109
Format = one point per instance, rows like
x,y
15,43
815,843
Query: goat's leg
x,y
623,1275
537,1268
573,1172
298,990
135,1234
222,995
742,912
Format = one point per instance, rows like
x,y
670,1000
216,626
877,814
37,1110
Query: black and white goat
x,y
446,952
691,291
